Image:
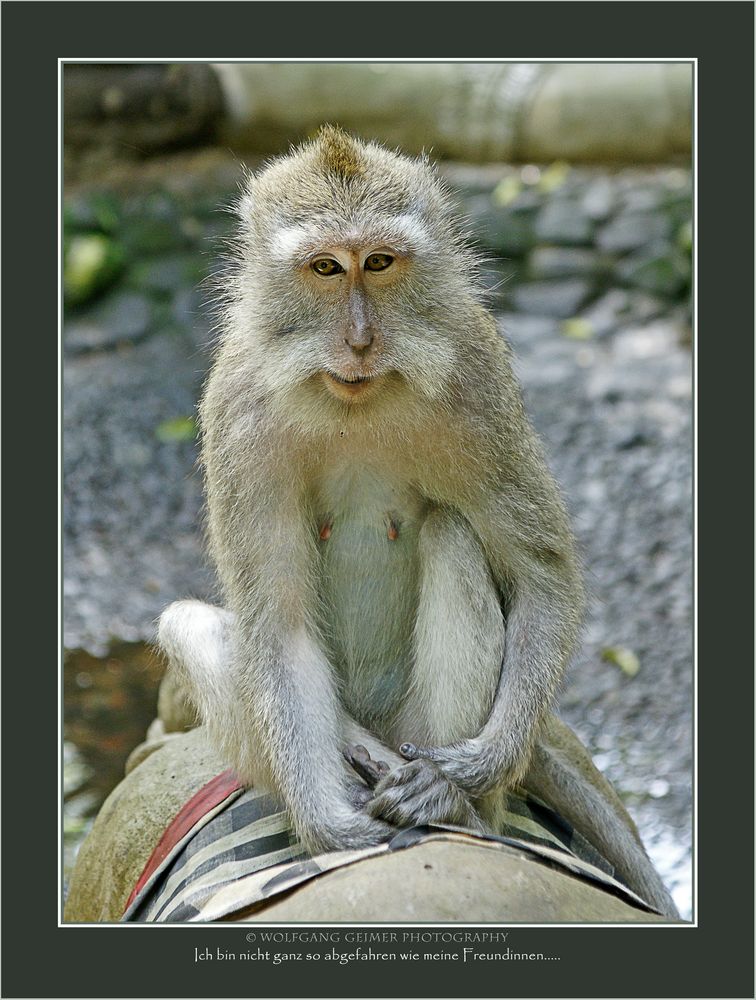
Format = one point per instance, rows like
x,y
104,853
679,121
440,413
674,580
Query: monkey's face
x,y
357,309
350,285
356,282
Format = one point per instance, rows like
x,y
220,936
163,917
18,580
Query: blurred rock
x,y
566,262
599,200
561,299
618,307
506,230
123,316
656,268
168,274
520,326
96,210
152,225
563,222
633,230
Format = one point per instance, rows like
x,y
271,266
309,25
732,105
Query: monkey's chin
x,y
350,391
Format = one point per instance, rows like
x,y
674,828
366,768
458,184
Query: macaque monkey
x,y
402,591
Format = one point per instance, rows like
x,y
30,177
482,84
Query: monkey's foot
x,y
371,771
418,793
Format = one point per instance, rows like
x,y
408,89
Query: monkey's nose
x,y
360,339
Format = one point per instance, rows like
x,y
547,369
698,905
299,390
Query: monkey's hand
x,y
418,793
346,824
472,765
345,829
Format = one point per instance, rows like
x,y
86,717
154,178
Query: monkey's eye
x,y
378,262
326,266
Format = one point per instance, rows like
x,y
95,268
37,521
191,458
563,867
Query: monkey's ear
x,y
426,160
246,202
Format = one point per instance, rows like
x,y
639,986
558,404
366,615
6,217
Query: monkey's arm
x,y
199,641
274,710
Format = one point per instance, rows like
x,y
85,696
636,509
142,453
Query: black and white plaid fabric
x,y
242,853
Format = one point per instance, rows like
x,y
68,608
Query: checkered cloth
x,y
231,850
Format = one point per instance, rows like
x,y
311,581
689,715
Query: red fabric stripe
x,y
207,798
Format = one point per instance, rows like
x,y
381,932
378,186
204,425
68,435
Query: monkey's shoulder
x,y
485,361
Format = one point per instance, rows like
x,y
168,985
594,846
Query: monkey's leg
x,y
459,636
459,644
460,640
563,775
196,638
199,642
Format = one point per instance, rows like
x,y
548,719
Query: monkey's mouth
x,y
351,380
348,387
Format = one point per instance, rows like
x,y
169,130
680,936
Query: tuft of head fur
x,y
339,153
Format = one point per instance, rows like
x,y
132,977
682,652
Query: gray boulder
x,y
437,881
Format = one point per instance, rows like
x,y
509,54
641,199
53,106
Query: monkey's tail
x,y
564,776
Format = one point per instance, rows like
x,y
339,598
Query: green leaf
x,y
685,237
178,429
553,177
623,658
91,263
506,191
577,329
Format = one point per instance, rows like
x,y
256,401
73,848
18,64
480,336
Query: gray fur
x,y
395,556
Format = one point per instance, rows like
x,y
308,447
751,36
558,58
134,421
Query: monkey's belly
x,y
368,539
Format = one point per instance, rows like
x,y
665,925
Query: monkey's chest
x,y
368,526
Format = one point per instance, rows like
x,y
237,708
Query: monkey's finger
x,y
360,795
377,770
371,771
410,752
359,752
356,756
417,774
402,810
